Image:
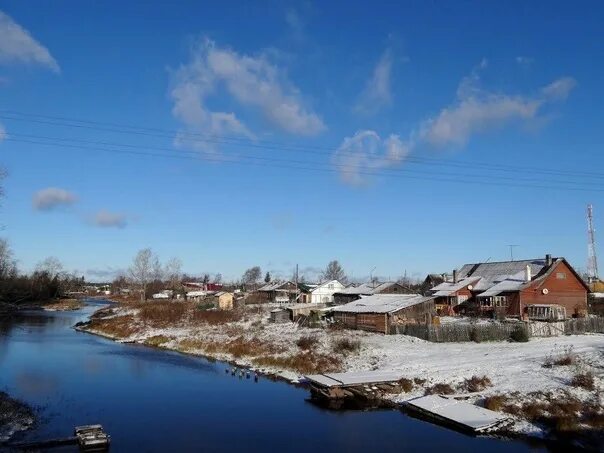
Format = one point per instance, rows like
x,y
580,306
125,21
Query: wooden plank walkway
x,y
458,414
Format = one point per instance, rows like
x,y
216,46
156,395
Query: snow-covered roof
x,y
196,293
273,286
447,288
496,270
383,303
366,288
313,288
503,286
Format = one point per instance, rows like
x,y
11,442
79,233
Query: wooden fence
x,y
498,331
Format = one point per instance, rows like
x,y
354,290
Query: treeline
x,y
48,281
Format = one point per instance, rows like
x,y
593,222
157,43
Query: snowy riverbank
x,y
520,374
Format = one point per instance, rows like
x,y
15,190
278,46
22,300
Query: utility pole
x,y
371,275
592,261
511,246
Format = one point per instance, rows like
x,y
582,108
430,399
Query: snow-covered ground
x,y
511,367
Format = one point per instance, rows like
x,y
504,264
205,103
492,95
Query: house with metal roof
x,y
380,312
352,293
507,288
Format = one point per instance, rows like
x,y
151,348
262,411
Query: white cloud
x,y
2,132
478,110
559,89
475,111
377,92
525,61
252,81
106,219
366,151
52,198
17,45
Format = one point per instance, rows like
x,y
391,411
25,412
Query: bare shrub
x,y
345,345
584,380
119,326
406,385
160,314
419,381
302,362
440,389
495,403
307,342
565,358
156,340
215,317
477,384
519,335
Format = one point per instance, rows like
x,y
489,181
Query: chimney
x,y
454,275
527,273
548,260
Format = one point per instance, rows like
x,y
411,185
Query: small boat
x,y
92,438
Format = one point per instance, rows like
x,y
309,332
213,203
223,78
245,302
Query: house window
x,y
330,286
560,275
462,298
501,301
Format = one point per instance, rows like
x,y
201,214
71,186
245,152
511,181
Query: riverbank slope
x,y
551,386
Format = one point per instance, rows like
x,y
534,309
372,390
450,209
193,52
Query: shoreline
x,y
172,339
15,417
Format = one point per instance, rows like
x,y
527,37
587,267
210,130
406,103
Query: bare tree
x,y
218,278
8,266
252,275
51,266
267,277
334,271
141,270
173,273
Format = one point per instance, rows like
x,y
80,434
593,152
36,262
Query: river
x,y
150,400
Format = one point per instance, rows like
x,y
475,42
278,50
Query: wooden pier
x,y
364,389
86,437
457,414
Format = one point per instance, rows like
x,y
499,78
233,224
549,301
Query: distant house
x,y
508,288
323,292
165,294
275,292
353,293
222,300
196,296
432,280
380,312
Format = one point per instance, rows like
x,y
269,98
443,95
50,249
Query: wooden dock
x,y
363,389
87,437
457,414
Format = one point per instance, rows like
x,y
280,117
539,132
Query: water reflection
x,y
155,401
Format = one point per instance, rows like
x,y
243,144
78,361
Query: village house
x,y
381,312
222,300
514,289
352,293
274,292
323,293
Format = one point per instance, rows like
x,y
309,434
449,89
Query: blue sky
x,y
414,136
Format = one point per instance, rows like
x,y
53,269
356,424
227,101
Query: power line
x,y
29,137
270,162
264,144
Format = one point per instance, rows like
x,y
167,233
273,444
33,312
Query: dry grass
x,y
495,403
307,342
440,389
302,362
157,340
406,385
584,380
419,381
162,313
565,358
119,326
476,384
215,317
345,345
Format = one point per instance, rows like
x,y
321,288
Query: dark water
x,y
158,401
